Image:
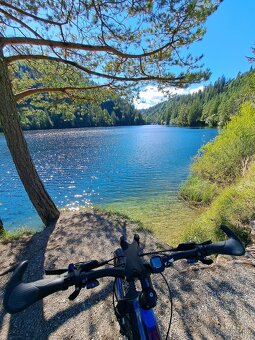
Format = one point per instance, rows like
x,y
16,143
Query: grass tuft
x,y
7,236
197,190
234,206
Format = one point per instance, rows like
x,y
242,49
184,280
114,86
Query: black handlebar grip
x,y
232,246
19,295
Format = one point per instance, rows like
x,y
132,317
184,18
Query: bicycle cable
x,y
171,305
61,271
156,252
114,296
102,263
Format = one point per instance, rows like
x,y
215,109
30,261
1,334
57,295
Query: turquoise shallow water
x,y
129,168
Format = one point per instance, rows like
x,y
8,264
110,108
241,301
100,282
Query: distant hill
x,y
53,110
48,114
214,106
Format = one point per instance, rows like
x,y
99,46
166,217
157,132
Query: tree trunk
x,y
1,227
16,142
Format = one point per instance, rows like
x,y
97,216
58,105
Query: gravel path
x,y
216,302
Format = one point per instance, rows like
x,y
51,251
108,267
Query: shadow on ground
x,y
213,303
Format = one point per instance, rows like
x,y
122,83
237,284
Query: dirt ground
x,y
209,302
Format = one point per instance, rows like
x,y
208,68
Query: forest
x,y
213,107
99,107
65,114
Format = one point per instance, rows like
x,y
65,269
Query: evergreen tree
x,y
214,106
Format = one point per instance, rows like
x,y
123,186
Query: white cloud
x,y
196,89
151,95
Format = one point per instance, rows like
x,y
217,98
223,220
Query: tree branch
x,y
21,95
77,46
172,81
21,23
51,22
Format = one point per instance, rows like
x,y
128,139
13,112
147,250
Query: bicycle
x,y
133,307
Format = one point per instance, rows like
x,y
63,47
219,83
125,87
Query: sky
x,y
225,46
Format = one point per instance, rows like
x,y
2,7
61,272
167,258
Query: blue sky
x,y
225,46
229,38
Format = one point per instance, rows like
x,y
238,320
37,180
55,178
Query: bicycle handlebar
x,y
19,295
231,246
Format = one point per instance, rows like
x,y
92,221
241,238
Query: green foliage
x,y
214,106
62,113
227,162
120,42
82,44
7,236
197,190
234,206
89,107
226,158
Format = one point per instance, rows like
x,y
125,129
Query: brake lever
x,y
75,293
185,246
190,245
204,260
78,287
83,266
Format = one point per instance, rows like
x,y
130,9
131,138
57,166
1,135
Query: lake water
x,y
136,170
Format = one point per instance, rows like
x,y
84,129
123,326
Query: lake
x,y
135,170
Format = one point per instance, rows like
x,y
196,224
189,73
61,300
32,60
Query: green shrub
x,y
234,206
226,158
197,190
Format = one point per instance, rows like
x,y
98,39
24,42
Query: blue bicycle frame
x,y
146,323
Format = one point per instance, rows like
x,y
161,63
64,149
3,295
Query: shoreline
x,y
120,126
167,220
